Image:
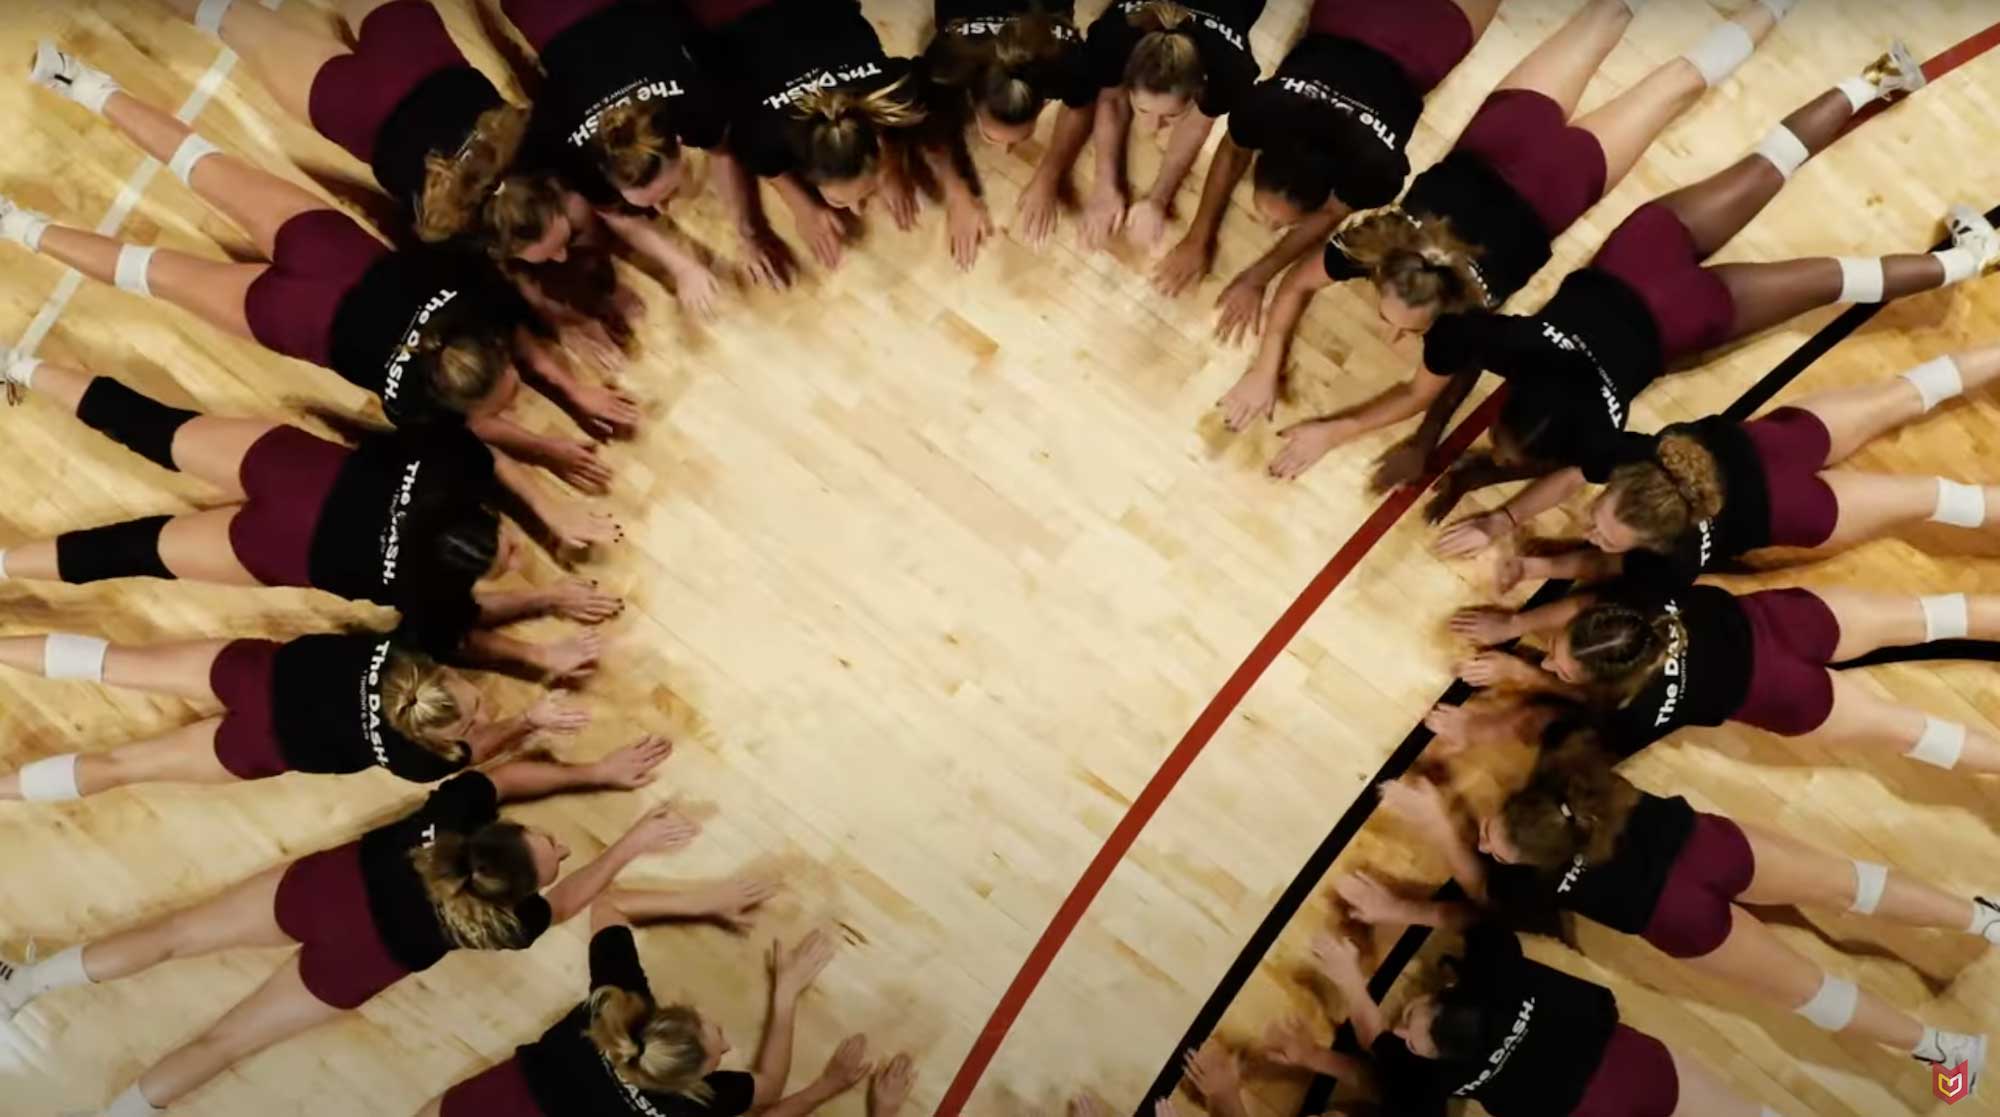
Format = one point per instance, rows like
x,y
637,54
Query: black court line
x,y
1293,899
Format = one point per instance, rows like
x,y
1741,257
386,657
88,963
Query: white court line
x,y
127,201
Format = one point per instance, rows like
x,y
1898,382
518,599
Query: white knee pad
x,y
1936,381
1862,279
209,15
1721,53
51,781
1870,881
1960,505
192,150
1941,744
1945,617
133,263
1784,150
67,656
1834,1005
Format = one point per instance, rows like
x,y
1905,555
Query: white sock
x,y
1928,1044
1960,264
1985,918
209,15
1860,92
1936,381
58,971
131,1103
1721,53
50,781
21,370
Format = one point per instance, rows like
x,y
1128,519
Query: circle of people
x,y
503,277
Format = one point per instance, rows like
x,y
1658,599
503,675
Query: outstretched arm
x,y
1149,217
1255,395
659,830
1409,458
1104,211
1035,215
792,971
1192,257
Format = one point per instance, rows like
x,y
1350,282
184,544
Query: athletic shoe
x,y
14,994
1991,910
64,73
1897,73
1969,230
14,374
22,226
1955,1048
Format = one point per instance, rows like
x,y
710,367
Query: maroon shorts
x,y
1793,445
1427,38
713,14
500,1092
1793,636
400,45
1654,253
1557,169
1636,1079
323,903
320,257
247,742
1697,907
288,475
540,21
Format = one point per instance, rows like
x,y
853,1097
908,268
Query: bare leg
x,y
1480,14
1874,504
1628,124
432,1108
1857,416
181,669
185,755
285,56
1562,66
213,290
1757,961
257,202
206,446
1791,873
194,548
1871,621
1862,719
355,11
243,917
1718,207
281,1008
1705,1095
1768,294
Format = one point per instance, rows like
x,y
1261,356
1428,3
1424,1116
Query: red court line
x,y
1177,763
1216,713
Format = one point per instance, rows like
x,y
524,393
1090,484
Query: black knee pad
x,y
142,425
127,550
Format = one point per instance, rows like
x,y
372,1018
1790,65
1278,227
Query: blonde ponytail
x,y
1166,59
457,186
419,706
1422,262
844,131
649,1047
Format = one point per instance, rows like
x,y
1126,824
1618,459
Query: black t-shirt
x,y
391,490
1580,362
566,1074
401,296
1221,31
1550,1033
326,698
1348,100
1743,525
1066,77
1623,892
781,52
1704,678
404,915
1506,234
437,116
632,51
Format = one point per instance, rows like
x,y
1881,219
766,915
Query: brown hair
x,y
1167,59
1574,806
466,366
419,706
1420,261
1665,498
457,185
635,143
844,131
475,880
1620,647
996,73
648,1046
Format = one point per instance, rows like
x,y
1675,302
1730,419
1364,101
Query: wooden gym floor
x,y
929,574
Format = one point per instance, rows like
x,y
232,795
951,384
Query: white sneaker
x,y
14,994
1971,231
1991,933
64,73
22,226
1897,73
1955,1048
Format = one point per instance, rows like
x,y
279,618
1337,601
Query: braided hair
x,y
1620,647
